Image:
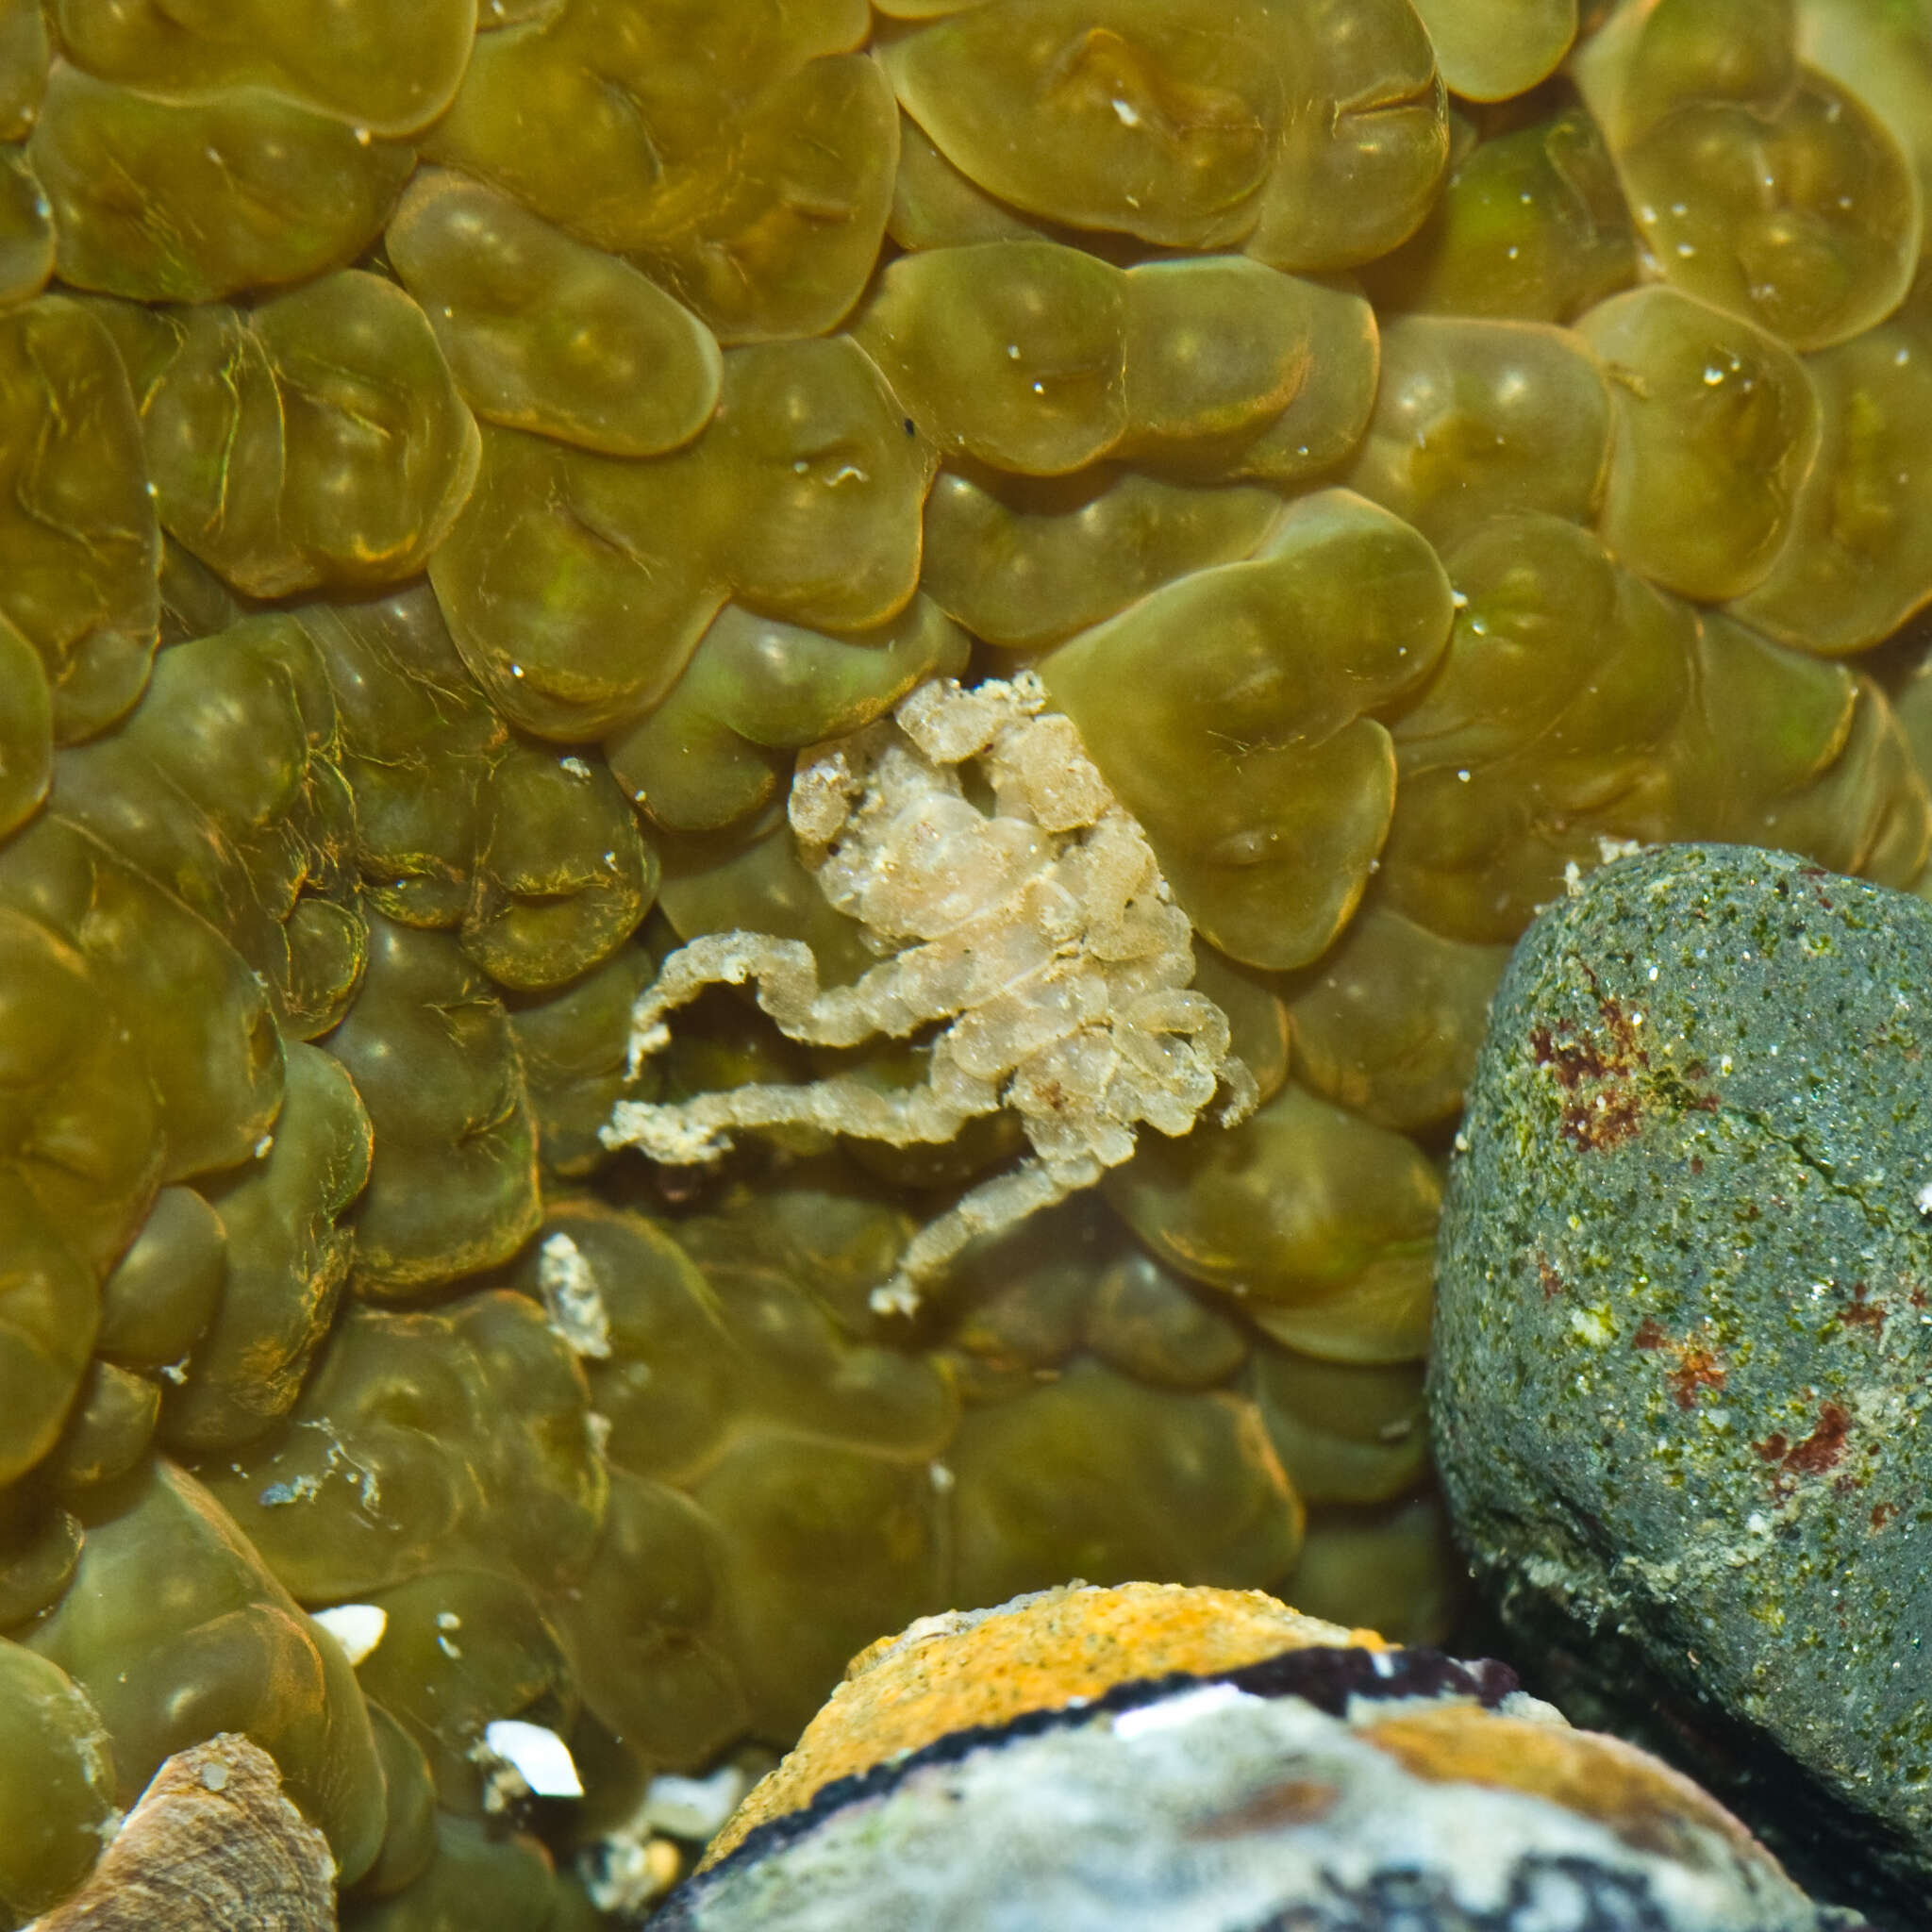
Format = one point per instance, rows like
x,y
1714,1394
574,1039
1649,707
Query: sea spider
x,y
1042,934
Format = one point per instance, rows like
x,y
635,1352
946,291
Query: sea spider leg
x,y
992,1207
691,1130
1039,936
787,979
787,973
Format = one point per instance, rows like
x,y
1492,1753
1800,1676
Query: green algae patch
x,y
1682,1362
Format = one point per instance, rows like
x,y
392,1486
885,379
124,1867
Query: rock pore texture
x,y
1683,1337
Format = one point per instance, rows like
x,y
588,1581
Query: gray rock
x,y
1680,1372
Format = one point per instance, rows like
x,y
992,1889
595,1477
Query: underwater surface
x,y
456,461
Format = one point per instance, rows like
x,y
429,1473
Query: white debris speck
x,y
574,766
1129,114
358,1627
337,1461
540,1757
301,1488
1533,1710
1183,1708
639,1861
694,1807
571,1297
626,1871
1924,1198
263,1146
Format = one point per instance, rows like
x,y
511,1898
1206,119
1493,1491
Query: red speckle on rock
x,y
1815,873
1601,1110
1861,1312
1611,1120
1572,1061
1605,1076
1697,1368
1822,1450
1882,1513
